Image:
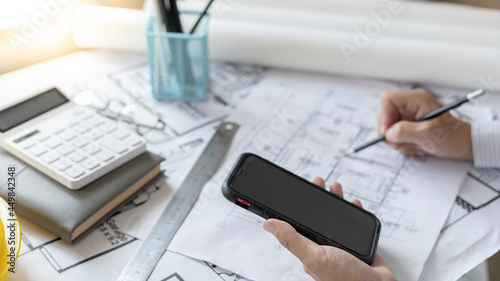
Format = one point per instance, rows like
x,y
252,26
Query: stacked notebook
x,y
71,213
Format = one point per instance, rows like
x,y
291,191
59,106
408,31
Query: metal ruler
x,y
152,248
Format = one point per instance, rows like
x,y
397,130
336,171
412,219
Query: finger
x,y
319,182
336,189
357,203
379,264
388,114
401,105
407,132
298,245
411,150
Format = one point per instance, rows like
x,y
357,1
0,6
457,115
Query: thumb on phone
x,y
296,243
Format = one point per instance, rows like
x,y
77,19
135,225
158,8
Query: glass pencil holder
x,y
178,62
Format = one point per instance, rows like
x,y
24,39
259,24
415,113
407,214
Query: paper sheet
x,y
471,233
457,251
306,126
44,256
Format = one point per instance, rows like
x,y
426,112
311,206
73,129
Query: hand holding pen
x,y
415,123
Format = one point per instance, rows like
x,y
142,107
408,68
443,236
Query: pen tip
x,y
350,152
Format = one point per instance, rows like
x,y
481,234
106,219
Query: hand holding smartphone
x,y
273,192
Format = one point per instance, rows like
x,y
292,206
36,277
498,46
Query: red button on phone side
x,y
242,203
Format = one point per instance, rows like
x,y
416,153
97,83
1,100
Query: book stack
x,y
72,213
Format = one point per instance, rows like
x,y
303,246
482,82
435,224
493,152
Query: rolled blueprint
x,y
429,12
360,38
103,27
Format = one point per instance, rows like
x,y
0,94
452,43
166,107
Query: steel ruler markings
x,y
152,248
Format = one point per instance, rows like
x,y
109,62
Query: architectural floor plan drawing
x,y
305,123
481,188
58,260
307,126
229,85
472,222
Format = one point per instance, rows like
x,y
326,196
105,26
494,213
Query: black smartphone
x,y
270,191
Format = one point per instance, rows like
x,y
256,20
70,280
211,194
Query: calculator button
x,y
65,149
52,142
113,145
120,134
37,150
86,116
91,148
94,134
104,156
58,130
27,144
77,157
107,127
50,157
75,172
132,140
81,128
90,164
42,137
67,135
72,123
62,165
96,121
80,142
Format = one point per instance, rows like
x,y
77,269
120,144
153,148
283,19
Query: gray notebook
x,y
71,213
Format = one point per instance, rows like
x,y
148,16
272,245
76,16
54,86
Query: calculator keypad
x,y
85,143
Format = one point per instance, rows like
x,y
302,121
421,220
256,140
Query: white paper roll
x,y
427,12
385,57
361,45
110,28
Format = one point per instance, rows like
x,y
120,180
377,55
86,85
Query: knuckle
x,y
386,95
284,238
422,91
397,131
308,270
425,129
317,260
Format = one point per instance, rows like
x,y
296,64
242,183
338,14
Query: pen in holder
x,y
178,62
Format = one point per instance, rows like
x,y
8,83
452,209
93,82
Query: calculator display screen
x,y
30,108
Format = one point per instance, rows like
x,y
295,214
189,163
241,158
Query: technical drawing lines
x,y
483,181
241,215
173,277
464,204
224,274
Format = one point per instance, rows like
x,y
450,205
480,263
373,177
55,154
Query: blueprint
x,y
312,150
475,208
306,126
103,254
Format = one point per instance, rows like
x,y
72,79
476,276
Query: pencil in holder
x,y
178,62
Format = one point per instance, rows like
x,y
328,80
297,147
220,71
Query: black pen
x,y
174,16
201,16
427,116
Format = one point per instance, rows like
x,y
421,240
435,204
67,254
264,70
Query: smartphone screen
x,y
306,204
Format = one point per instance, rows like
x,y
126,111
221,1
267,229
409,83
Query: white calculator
x,y
72,144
